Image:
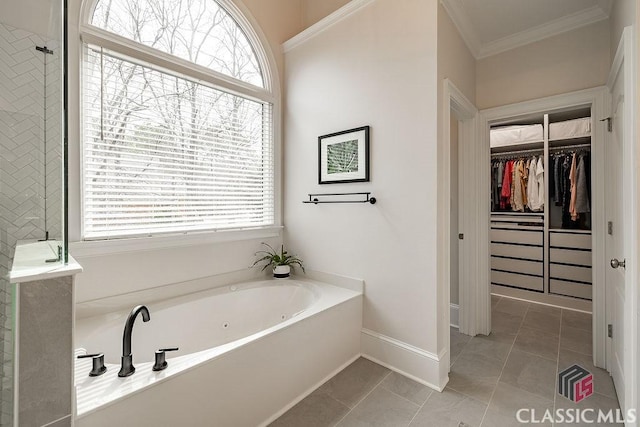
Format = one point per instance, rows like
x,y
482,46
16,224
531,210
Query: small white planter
x,y
281,271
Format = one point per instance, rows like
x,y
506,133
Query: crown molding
x,y
549,29
348,9
480,50
606,6
460,19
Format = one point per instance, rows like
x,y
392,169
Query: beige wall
x,y
377,67
456,63
572,61
622,15
279,20
315,10
43,17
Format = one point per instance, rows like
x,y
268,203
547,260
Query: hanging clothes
x,y
558,181
532,185
541,187
552,181
565,172
574,191
514,172
587,168
497,172
572,187
581,204
506,185
494,185
524,180
535,186
499,180
519,187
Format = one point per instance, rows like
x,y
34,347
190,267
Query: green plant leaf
x,y
272,258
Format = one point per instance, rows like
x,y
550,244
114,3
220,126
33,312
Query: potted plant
x,y
281,262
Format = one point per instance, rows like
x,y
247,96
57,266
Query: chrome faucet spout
x,y
127,367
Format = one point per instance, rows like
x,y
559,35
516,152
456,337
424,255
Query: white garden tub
x,y
247,353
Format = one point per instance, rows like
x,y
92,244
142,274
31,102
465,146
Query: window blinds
x,y
165,154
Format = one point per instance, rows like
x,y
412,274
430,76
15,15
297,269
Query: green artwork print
x,y
342,157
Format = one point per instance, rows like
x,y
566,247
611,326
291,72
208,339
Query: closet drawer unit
x,y
521,225
578,290
517,236
506,218
570,240
569,272
533,253
517,280
568,256
517,266
526,222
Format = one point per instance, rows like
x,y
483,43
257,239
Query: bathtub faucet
x,y
127,367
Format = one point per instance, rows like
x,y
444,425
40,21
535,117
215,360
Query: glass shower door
x,y
31,154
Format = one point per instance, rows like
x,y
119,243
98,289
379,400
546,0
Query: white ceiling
x,y
489,27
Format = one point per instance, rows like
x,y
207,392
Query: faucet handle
x,y
161,362
98,364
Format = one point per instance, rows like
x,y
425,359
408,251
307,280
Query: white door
x,y
620,200
615,275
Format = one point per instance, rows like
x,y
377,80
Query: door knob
x,y
615,263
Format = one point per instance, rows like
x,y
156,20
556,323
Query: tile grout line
x,y
537,355
448,386
555,390
363,398
422,406
504,364
459,354
402,397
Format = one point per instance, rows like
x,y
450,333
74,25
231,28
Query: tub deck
x,y
308,347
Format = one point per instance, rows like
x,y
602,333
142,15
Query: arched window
x,y
177,120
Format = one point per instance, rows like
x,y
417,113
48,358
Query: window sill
x,y
89,248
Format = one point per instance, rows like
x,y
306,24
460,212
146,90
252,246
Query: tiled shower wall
x,y
23,126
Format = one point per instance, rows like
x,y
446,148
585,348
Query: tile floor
x,y
491,377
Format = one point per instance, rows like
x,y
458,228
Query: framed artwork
x,y
344,156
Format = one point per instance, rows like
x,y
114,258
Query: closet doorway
x,y
458,263
585,266
551,251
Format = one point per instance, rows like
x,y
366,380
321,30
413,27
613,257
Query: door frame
x,y
466,113
625,60
596,98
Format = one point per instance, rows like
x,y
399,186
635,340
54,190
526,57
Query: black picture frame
x,y
344,156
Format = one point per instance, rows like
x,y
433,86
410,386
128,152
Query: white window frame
x,y
271,93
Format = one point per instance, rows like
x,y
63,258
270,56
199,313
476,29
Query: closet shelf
x,y
526,146
576,140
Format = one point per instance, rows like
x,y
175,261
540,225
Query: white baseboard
x,y
454,315
410,361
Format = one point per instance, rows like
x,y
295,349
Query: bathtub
x,y
247,352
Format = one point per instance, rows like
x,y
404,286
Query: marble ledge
x,y
29,262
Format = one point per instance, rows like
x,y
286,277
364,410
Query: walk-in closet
x,y
541,197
